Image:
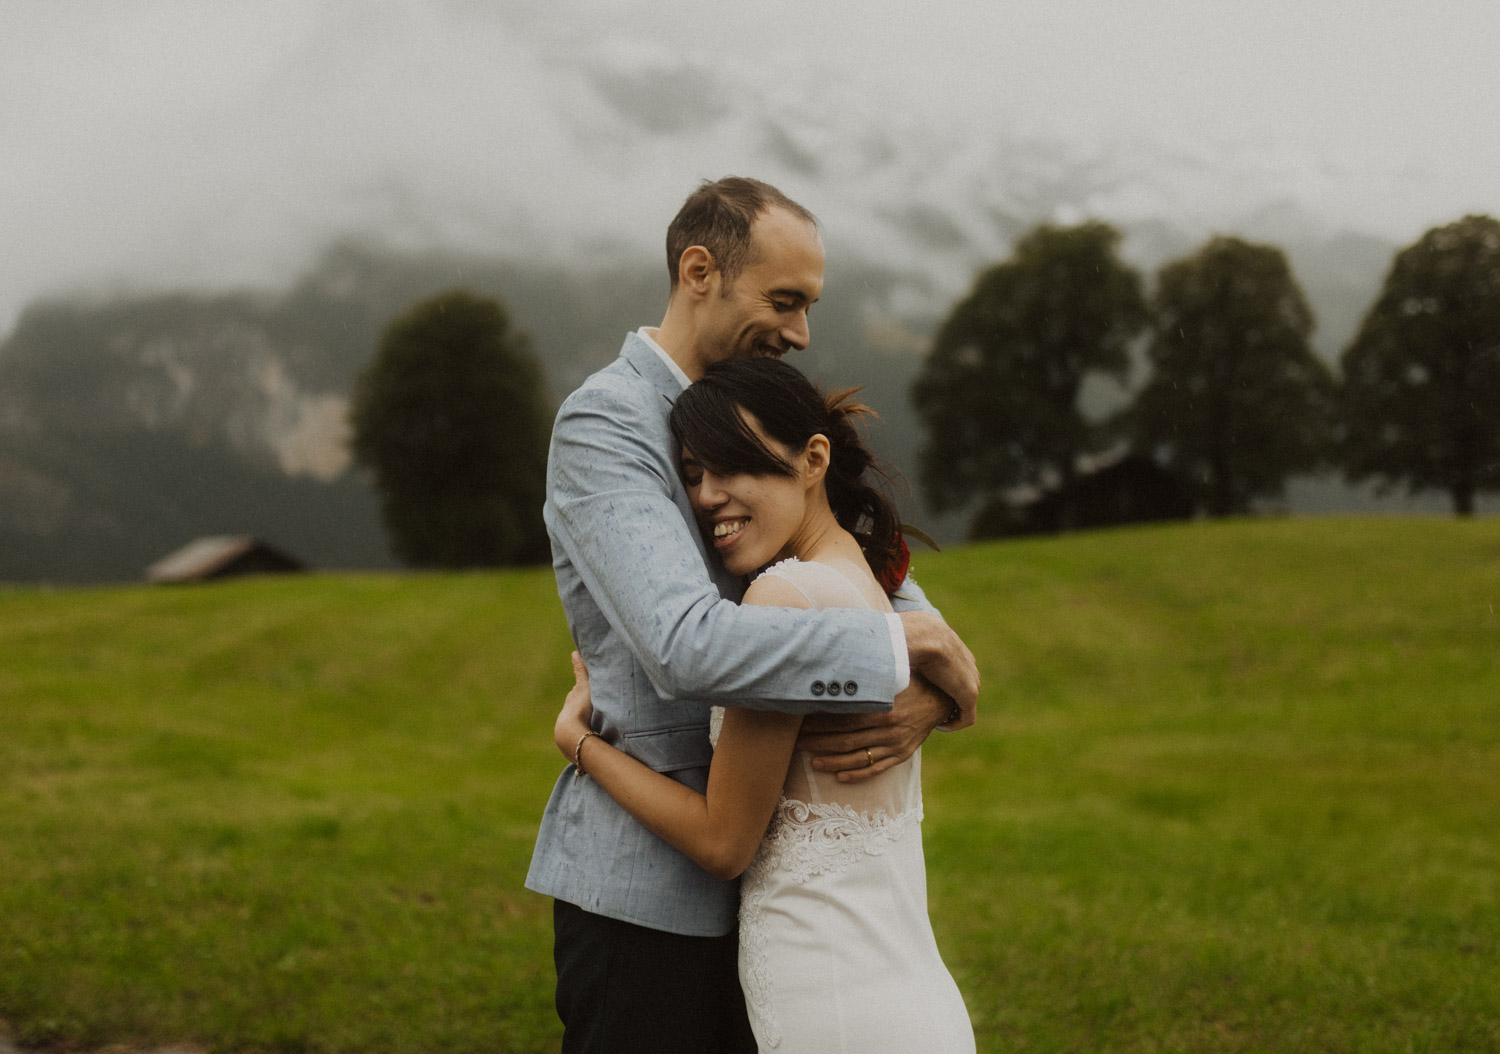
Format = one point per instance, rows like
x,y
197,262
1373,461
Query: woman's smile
x,y
727,531
741,541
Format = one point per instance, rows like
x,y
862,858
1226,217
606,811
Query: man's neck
x,y
648,335
678,341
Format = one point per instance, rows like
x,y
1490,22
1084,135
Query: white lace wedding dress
x,y
836,950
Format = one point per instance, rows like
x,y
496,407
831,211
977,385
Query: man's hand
x,y
858,746
938,655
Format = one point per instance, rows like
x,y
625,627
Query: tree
x,y
1421,389
998,394
452,417
1237,400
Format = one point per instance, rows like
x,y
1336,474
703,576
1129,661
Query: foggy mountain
x,y
132,423
129,426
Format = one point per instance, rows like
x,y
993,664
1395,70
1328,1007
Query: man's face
x,y
764,310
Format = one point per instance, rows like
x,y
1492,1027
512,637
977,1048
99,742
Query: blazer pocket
x,y
670,749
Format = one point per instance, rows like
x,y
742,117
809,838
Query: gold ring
x,y
869,758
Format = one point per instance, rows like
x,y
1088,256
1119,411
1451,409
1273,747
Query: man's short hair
x,y
719,217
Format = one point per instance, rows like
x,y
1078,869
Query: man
x,y
645,940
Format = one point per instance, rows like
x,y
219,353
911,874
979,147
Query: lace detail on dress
x,y
781,567
803,841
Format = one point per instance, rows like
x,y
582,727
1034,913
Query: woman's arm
x,y
719,831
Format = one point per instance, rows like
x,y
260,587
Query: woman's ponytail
x,y
862,509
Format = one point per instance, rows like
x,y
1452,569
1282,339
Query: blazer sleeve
x,y
911,598
611,513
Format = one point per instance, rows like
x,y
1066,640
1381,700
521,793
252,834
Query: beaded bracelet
x,y
578,769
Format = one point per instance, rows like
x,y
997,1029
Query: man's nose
x,y
797,333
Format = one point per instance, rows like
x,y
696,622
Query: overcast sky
x,y
150,142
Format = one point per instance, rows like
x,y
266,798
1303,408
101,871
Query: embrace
x,y
734,850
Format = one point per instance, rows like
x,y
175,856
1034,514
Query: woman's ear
x,y
816,458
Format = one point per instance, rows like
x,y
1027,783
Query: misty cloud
x,y
680,99
152,144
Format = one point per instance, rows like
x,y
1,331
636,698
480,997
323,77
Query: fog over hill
x,y
131,424
217,262
128,425
162,145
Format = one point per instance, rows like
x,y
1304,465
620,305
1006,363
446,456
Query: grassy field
x,y
1236,787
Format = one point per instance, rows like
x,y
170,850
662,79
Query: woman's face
x,y
750,520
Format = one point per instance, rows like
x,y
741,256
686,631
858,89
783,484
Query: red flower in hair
x,y
895,569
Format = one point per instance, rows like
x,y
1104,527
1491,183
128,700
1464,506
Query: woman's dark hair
x,y
791,410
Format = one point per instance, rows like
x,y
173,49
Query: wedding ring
x,y
869,758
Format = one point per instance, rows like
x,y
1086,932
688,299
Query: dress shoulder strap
x,y
818,582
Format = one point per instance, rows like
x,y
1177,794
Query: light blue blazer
x,y
658,623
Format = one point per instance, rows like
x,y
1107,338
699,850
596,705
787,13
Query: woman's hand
x,y
576,713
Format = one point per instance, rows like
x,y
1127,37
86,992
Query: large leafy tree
x,y
999,394
452,418
1236,400
1421,390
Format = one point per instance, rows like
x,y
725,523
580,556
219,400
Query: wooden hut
x,y
222,556
1123,490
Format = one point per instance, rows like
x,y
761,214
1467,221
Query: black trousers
x,y
623,988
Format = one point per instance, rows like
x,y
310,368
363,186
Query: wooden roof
x,y
221,556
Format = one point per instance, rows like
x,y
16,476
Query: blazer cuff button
x,y
818,688
851,688
834,688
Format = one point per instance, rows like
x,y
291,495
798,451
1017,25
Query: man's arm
x,y
858,746
936,653
610,509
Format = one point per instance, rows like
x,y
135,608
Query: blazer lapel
x,y
646,362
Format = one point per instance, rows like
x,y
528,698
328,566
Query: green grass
x,y
1236,787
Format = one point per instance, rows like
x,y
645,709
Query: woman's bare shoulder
x,y
777,591
818,584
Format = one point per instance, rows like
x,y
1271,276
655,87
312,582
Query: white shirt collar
x,y
646,334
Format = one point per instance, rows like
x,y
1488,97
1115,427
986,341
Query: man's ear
x,y
696,270
817,456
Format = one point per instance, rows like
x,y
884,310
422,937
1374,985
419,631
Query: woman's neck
x,y
822,538
829,543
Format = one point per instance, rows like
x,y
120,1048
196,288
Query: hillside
x,y
1232,790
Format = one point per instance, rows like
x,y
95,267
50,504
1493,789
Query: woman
x,y
836,950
